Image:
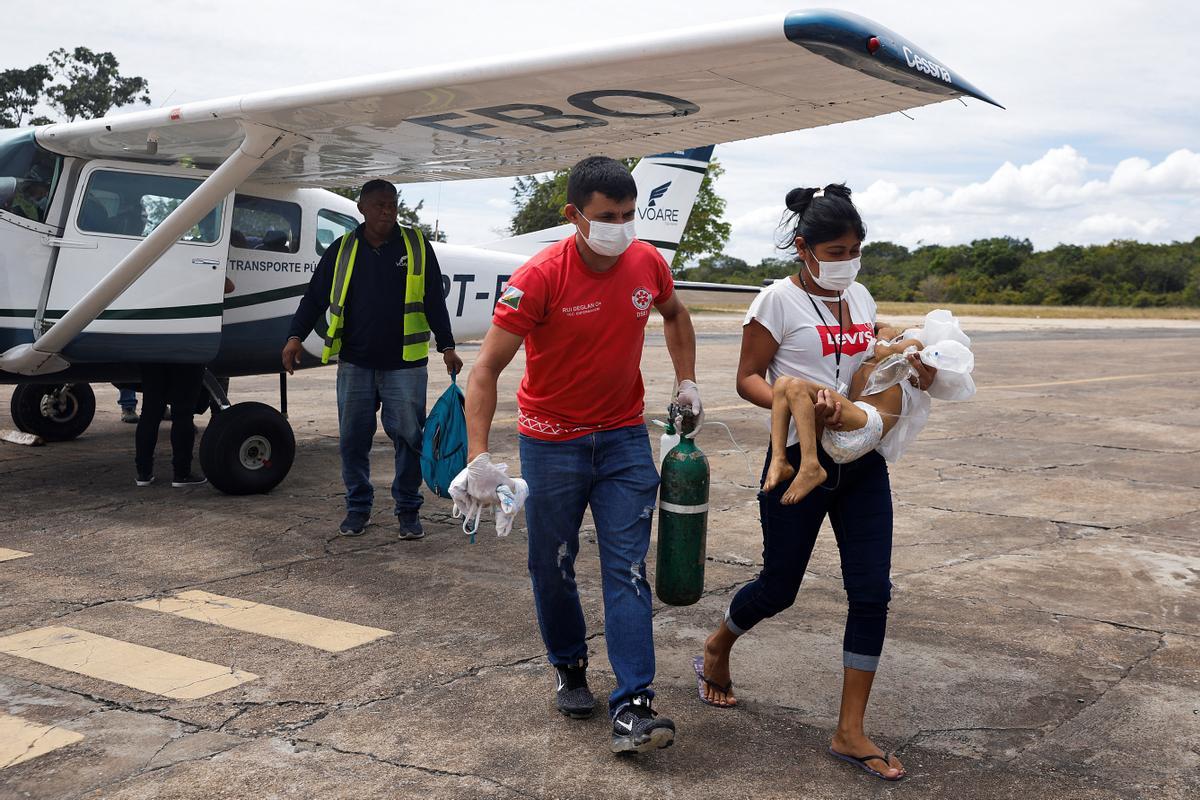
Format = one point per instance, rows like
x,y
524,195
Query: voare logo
x,y
656,194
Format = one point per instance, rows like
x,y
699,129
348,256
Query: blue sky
x,y
1101,138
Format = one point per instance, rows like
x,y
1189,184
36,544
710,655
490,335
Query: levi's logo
x,y
855,339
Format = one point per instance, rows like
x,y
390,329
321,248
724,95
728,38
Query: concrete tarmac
x,y
1044,637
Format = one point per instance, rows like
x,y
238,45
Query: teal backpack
x,y
444,447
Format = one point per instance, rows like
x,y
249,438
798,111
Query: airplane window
x,y
262,224
134,204
28,175
331,226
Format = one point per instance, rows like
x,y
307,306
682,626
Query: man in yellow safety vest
x,y
382,287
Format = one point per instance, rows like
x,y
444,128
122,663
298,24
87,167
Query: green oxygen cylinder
x,y
682,521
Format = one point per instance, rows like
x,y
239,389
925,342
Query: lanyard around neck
x,y
837,341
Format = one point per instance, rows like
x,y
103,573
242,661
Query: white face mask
x,y
609,238
836,276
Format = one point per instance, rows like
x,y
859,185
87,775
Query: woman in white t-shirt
x,y
818,324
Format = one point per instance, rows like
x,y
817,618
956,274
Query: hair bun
x,y
798,199
838,190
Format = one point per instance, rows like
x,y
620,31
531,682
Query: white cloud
x,y
1059,197
1106,227
1178,172
1053,181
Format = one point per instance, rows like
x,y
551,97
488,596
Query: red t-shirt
x,y
583,334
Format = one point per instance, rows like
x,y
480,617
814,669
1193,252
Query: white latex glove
x,y
466,507
510,503
484,478
687,395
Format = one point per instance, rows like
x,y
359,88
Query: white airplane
x,y
117,234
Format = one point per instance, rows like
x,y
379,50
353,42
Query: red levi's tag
x,y
855,339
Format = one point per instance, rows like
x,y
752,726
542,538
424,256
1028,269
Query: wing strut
x,y
42,357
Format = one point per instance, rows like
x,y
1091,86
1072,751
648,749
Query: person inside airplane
x,y
383,288
131,219
30,200
275,241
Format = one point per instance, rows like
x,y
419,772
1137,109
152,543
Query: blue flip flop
x,y
702,681
861,763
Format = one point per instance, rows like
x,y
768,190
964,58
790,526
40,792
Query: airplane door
x,y
172,313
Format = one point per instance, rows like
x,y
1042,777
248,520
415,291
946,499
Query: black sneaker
x,y
574,697
144,480
354,524
410,525
638,729
183,481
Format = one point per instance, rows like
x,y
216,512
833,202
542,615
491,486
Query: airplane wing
x,y
546,110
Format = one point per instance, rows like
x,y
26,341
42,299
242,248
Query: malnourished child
x,y
880,398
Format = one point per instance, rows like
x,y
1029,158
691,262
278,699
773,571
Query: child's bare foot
x,y
778,472
809,478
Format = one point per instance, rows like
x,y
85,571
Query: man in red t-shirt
x,y
580,307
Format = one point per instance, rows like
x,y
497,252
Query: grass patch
x,y
887,308
1042,312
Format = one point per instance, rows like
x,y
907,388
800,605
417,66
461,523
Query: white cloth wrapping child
x,y
948,350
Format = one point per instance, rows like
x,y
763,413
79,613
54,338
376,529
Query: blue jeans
x,y
127,399
859,504
613,473
360,391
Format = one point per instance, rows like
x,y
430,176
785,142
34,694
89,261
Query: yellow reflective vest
x,y
416,327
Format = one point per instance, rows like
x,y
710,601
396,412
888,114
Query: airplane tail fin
x,y
667,184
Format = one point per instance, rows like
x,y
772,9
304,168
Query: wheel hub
x,y
59,406
255,453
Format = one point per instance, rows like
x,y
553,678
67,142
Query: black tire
x,y
53,411
247,449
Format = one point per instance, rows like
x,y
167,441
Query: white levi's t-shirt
x,y
808,337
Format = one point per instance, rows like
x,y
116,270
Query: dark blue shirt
x,y
374,313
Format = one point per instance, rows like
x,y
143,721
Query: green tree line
x,y
1004,270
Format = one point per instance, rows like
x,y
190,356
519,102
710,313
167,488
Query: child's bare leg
x,y
779,470
889,403
811,474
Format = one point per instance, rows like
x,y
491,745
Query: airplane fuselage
x,y
266,240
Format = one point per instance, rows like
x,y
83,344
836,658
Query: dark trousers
x,y
177,384
857,497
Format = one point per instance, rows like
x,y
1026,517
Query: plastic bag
x,y
949,355
940,326
890,371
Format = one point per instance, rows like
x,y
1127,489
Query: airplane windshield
x,y
28,175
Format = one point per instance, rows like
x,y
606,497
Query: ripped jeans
x,y
612,472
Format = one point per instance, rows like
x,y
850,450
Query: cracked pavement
x,y
1044,639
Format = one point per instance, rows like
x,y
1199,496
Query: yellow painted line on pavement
x,y
128,664
21,740
280,623
9,555
1104,379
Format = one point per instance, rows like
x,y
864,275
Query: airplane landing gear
x,y
247,448
55,412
